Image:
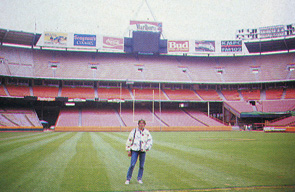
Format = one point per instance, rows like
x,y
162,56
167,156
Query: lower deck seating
x,y
289,121
177,117
101,117
131,117
19,119
203,118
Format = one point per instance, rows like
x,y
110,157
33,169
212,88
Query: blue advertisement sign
x,y
84,40
231,46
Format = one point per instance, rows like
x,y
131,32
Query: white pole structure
x,y
153,108
208,109
160,110
133,103
120,100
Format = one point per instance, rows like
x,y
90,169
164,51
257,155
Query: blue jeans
x,y
134,157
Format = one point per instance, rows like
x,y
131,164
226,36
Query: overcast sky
x,y
182,19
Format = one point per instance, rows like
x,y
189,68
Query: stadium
x,y
221,112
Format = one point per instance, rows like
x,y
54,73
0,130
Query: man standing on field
x,y
138,143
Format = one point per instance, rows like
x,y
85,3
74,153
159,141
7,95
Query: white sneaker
x,y
127,182
140,181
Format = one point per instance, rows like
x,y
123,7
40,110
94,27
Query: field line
x,y
233,188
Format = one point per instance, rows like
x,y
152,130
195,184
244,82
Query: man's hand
x,y
129,153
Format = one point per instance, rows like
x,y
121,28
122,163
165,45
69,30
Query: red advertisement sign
x,y
178,46
113,43
146,26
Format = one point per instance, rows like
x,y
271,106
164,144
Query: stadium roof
x,y
271,45
18,37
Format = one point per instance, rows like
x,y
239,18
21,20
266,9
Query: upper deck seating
x,y
2,91
36,63
161,69
272,94
290,93
200,69
251,94
78,92
231,95
182,94
113,93
148,94
45,91
18,91
209,95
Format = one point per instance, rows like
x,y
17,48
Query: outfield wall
x,y
153,129
2,128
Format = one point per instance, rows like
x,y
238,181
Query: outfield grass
x,y
97,161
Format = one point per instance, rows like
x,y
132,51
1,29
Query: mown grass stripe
x,y
16,135
113,154
11,144
21,148
86,171
14,167
178,162
47,174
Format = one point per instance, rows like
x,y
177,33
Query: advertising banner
x,y
272,31
146,26
205,46
84,40
113,43
231,46
178,46
55,39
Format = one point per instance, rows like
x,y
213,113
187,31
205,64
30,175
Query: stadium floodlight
x,y
70,104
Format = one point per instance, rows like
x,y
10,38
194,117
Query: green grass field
x,y
185,161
